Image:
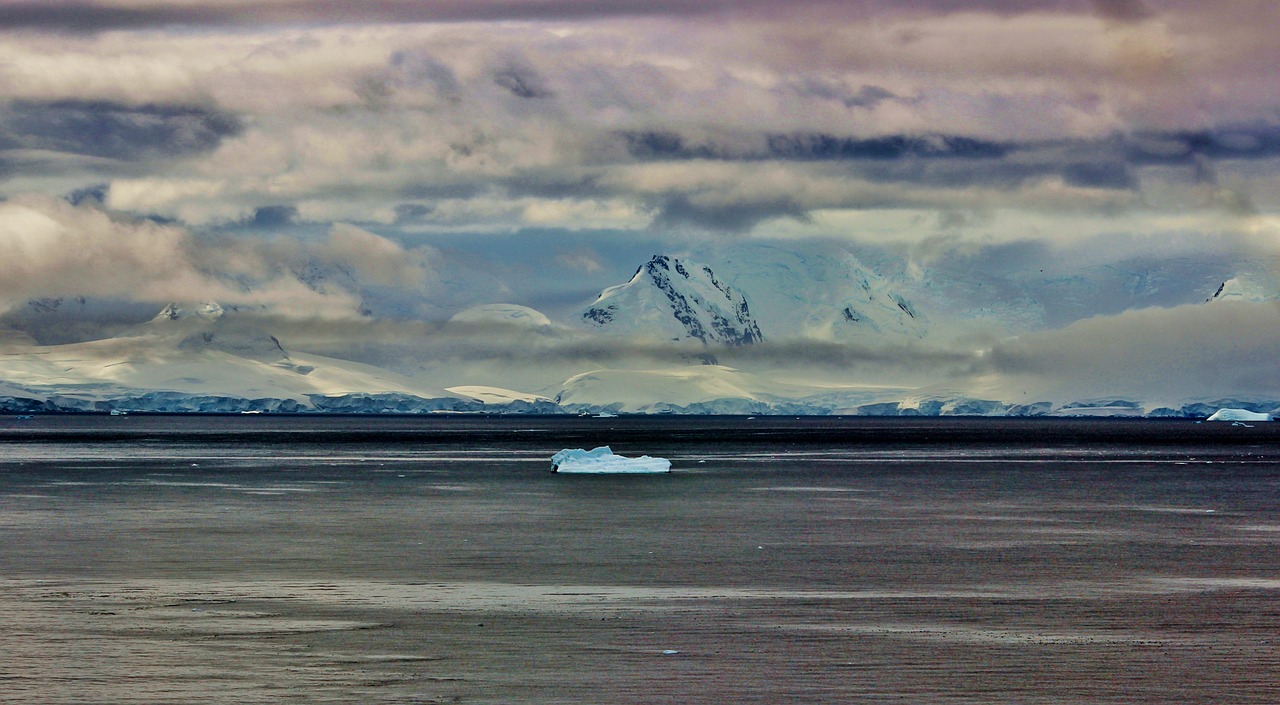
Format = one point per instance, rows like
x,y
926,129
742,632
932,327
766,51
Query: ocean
x,y
265,559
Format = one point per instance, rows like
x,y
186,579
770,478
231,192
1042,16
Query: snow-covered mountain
x,y
678,299
1019,287
757,292
211,326
819,291
196,358
212,358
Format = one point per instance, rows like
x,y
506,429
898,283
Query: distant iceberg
x,y
602,461
1238,415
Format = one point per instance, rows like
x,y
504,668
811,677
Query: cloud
x,y
116,131
583,260
716,213
366,113
814,147
91,16
1199,350
651,117
522,80
273,216
505,343
51,248
100,15
1123,10
374,259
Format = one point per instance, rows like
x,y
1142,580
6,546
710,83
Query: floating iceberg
x,y
1238,415
602,461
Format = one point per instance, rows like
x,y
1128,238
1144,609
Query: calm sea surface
x,y
260,559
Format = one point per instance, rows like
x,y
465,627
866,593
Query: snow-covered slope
x,y
677,299
705,388
820,291
134,366
208,325
189,351
520,318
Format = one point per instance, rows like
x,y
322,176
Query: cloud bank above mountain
x,y
495,115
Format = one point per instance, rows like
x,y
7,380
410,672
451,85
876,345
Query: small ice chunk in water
x,y
601,461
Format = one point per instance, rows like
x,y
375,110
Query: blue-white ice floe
x,y
1238,415
602,461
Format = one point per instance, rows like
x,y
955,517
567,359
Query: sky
x,y
389,162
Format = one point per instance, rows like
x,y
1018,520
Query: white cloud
x,y
579,214
344,121
1166,355
580,260
375,259
49,248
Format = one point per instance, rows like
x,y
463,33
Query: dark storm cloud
x,y
1122,10
680,209
1249,142
816,147
522,80
114,131
89,195
953,161
89,16
666,145
1105,163
1104,175
1085,161
821,147
411,212
273,216
1148,147
864,97
553,185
